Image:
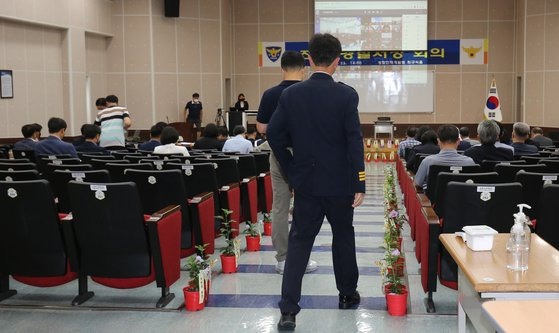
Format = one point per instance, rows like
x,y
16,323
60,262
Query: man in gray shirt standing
x,y
448,141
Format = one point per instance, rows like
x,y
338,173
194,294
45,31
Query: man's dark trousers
x,y
308,216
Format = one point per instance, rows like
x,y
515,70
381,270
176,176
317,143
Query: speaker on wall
x,y
172,8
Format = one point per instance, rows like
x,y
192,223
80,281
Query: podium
x,y
186,130
384,127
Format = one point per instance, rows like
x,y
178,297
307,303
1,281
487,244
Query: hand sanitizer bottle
x,y
518,245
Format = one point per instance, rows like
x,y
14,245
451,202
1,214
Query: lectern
x,y
186,130
383,125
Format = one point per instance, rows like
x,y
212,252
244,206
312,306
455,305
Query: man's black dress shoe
x,y
349,302
287,322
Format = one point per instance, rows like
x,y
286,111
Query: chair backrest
x,y
226,171
446,177
262,160
17,166
121,154
247,166
489,166
59,183
531,160
5,151
118,170
507,173
14,160
165,156
100,164
435,169
205,151
158,164
532,184
110,230
407,152
19,175
50,168
548,215
138,158
86,157
31,243
198,177
24,153
552,165
417,161
158,189
477,204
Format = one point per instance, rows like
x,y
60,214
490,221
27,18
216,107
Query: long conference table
x,y
483,276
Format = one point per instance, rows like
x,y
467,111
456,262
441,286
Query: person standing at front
x,y
293,71
114,121
193,112
325,169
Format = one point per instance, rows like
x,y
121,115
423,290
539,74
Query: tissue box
x,y
479,237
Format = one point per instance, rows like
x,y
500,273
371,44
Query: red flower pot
x,y
267,228
397,304
192,300
228,264
399,267
253,243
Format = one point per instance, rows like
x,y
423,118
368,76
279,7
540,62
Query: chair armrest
x,y
162,213
228,187
263,174
248,179
200,197
434,246
423,200
70,241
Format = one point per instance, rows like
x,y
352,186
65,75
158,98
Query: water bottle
x,y
518,245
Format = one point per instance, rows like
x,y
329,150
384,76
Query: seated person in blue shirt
x,y
155,137
521,133
448,141
238,143
31,134
53,144
488,132
409,142
91,134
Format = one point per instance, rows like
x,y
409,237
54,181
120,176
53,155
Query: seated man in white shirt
x,y
169,139
238,143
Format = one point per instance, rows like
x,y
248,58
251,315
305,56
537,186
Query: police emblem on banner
x,y
269,53
273,53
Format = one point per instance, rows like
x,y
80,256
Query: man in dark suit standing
x,y
53,144
325,169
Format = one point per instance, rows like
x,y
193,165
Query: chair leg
x,y
166,297
83,293
5,291
429,304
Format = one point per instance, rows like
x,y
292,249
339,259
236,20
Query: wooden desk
x,y
522,316
483,276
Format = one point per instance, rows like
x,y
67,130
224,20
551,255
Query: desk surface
x,y
522,316
487,270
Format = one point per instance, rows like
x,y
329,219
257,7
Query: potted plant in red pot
x,y
194,293
267,224
252,236
229,252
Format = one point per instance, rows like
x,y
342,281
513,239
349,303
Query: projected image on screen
x,y
374,25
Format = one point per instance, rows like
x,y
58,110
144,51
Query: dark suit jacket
x,y
90,147
319,119
52,145
209,143
238,106
150,145
464,145
25,144
524,149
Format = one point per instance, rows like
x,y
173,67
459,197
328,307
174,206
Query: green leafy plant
x,y
252,229
227,232
266,218
195,265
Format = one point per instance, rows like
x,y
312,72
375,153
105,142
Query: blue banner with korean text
x,y
440,52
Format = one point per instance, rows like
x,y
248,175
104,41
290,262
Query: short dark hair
x,y
169,135
537,130
55,125
195,95
448,134
101,101
211,131
324,49
251,130
421,131
38,127
82,129
155,130
241,94
111,99
90,131
28,130
464,131
239,129
223,131
429,136
410,132
292,61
